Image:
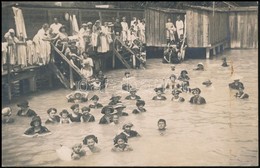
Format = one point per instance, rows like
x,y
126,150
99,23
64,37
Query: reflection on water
x,y
222,132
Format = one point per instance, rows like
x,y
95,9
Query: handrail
x,y
61,77
65,58
122,59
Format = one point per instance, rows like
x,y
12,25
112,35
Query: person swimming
x,y
120,144
6,115
127,86
96,105
77,97
207,83
90,141
114,100
36,128
241,94
224,64
176,96
53,117
197,99
86,116
119,107
236,85
64,117
161,124
183,76
108,112
127,131
77,151
171,83
75,116
140,107
25,111
200,67
159,95
132,95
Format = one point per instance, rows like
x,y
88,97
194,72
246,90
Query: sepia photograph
x,y
129,83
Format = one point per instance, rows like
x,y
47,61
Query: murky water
x,y
222,132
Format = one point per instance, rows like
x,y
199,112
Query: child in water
x,y
96,105
171,83
77,151
161,124
197,99
36,128
184,86
53,117
90,141
119,107
108,114
86,116
128,132
126,86
25,111
159,95
140,107
6,115
64,117
115,120
132,95
120,144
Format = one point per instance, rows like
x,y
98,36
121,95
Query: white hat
x,y
11,31
6,111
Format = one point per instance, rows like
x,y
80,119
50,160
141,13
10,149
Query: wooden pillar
x,y
114,59
32,84
71,78
207,53
9,83
218,49
214,51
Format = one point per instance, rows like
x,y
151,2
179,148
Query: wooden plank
x,y
157,29
152,22
195,24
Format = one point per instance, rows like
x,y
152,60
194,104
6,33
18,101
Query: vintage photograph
x,y
129,83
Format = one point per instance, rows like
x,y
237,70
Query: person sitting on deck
x,y
224,64
53,117
75,116
128,132
140,107
197,99
119,107
207,83
114,100
120,144
108,112
176,96
25,111
96,105
86,116
90,141
132,95
236,84
6,115
77,151
159,95
77,97
241,94
36,128
126,86
183,76
73,54
200,67
64,117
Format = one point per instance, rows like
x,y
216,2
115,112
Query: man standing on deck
x,y
55,26
179,26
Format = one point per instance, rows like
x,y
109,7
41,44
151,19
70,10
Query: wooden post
x,y
71,78
207,53
214,51
113,61
32,83
8,75
218,48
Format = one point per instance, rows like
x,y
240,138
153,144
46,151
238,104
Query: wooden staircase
x,y
68,83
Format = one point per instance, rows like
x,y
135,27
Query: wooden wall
x,y
35,17
243,28
155,26
204,28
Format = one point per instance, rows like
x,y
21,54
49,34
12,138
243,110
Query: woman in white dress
x,y
124,25
104,45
